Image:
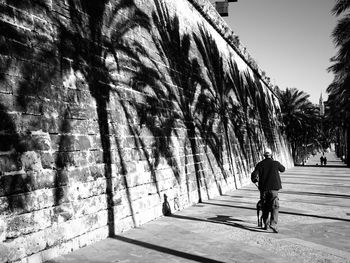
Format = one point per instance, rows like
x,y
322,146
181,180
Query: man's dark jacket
x,y
268,173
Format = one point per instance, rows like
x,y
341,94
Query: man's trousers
x,y
270,205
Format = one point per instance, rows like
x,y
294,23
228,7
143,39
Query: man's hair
x,y
267,152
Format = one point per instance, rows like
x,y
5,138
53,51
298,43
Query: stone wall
x,y
106,107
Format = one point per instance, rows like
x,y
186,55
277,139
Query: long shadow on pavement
x,y
283,212
221,219
166,250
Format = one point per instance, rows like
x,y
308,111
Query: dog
x,y
259,207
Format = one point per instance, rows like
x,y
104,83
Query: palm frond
x,y
340,7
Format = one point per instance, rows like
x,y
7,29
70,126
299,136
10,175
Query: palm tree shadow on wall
x,y
254,125
82,46
265,111
239,112
171,105
34,88
10,142
88,50
216,103
29,103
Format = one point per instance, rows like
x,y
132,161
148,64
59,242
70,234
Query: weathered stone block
x,y
77,111
81,158
47,160
63,143
29,123
84,127
78,174
93,236
131,167
124,224
3,228
89,205
97,156
79,190
139,178
13,250
50,124
96,142
97,171
81,241
4,253
77,227
62,213
16,183
9,163
28,223
64,159
32,142
7,100
31,161
84,143
23,203
42,141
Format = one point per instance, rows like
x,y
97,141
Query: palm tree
x,y
339,90
300,118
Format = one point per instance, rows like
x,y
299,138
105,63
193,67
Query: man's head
x,y
267,153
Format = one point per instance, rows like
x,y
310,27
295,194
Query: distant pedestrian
x,y
321,160
325,161
267,174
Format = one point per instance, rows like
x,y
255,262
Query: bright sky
x,y
290,40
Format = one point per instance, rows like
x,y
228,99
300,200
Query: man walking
x,y
267,174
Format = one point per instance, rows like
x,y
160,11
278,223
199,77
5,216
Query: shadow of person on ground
x,y
222,219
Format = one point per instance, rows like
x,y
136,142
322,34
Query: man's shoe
x,y
274,229
265,227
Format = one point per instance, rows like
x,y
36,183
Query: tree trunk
x,y
294,152
196,158
338,144
347,150
106,148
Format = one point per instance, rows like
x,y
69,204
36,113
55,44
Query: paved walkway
x,y
314,226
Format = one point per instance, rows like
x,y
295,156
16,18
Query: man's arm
x,y
281,168
255,175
